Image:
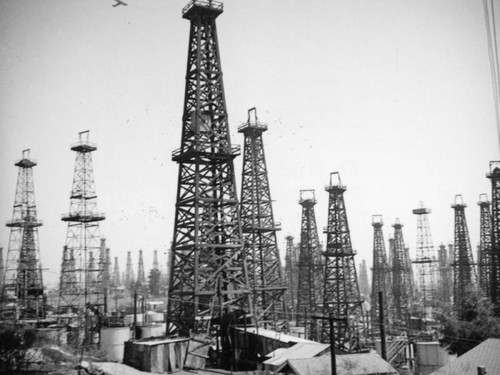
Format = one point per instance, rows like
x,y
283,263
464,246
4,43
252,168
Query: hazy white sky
x,y
394,94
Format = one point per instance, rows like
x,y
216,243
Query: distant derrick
x,y
445,276
22,293
494,175
309,265
380,273
341,292
364,285
156,265
401,280
484,250
464,275
259,229
83,299
291,279
141,275
116,273
207,274
424,260
129,279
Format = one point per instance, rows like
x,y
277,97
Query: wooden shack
x,y
159,355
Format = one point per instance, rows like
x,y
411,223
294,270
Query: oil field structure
x,y
231,305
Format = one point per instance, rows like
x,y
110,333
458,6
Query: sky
x,y
395,95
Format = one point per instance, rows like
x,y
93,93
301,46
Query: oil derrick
x,y
129,279
445,279
259,229
309,265
207,270
141,275
340,292
291,276
464,274
22,294
424,260
484,251
494,175
380,272
364,286
1,269
116,273
105,264
85,301
401,283
156,265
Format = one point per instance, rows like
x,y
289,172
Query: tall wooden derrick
x,y
425,260
81,296
444,291
22,293
484,251
464,275
341,291
259,229
208,275
401,283
291,280
380,273
309,265
494,175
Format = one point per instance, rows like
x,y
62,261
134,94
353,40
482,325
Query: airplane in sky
x,y
119,2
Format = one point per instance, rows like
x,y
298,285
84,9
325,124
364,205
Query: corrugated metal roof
x,y
352,364
300,350
486,354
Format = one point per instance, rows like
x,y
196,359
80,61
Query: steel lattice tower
x,y
22,294
309,265
86,300
494,175
484,251
207,271
380,272
129,272
340,291
445,282
141,275
425,258
259,229
401,281
464,274
291,275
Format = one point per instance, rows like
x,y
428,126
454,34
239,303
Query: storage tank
x,y
113,342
